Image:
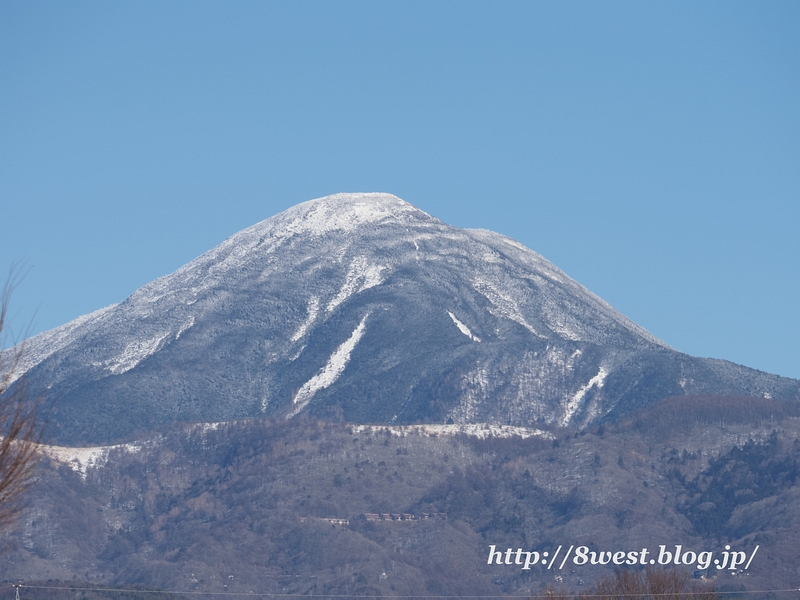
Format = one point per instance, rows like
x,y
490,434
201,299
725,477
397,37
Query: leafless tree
x,y
650,584
20,419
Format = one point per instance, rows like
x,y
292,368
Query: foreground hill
x,y
361,308
288,507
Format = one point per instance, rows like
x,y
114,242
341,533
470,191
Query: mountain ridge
x,y
284,505
363,308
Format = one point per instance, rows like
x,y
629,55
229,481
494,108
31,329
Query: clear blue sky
x,y
649,149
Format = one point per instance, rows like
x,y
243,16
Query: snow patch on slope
x,y
574,403
330,372
81,460
478,430
313,309
134,353
361,276
504,306
463,328
189,323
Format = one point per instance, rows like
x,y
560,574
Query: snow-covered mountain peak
x,y
344,212
361,307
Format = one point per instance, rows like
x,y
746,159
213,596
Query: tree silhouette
x,y
650,584
20,419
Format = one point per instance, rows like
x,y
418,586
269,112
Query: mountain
x,y
254,412
364,309
277,506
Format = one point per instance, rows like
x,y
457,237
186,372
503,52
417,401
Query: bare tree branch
x,y
650,584
21,423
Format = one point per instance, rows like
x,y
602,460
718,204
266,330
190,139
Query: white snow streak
x,y
189,322
478,430
134,353
330,372
574,402
463,328
81,459
360,276
313,308
505,306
